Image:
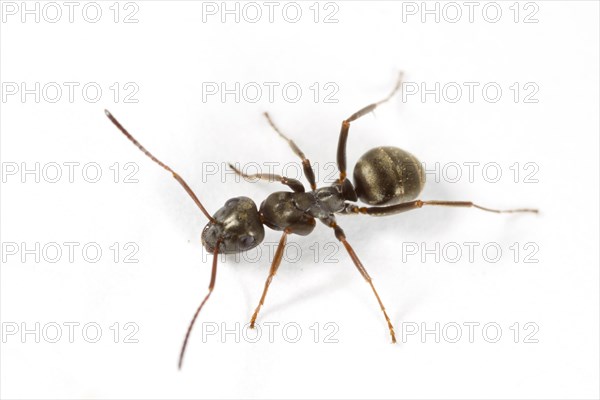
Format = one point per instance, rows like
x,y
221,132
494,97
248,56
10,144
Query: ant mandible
x,y
387,178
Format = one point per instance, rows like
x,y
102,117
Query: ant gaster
x,y
386,178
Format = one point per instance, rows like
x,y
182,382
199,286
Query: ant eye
x,y
246,241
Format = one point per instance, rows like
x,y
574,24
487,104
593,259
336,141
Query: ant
x,y
386,178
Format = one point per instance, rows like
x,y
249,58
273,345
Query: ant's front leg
x,y
274,267
414,205
294,184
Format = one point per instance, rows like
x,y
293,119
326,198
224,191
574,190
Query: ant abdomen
x,y
388,175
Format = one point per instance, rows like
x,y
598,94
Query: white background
x,y
169,53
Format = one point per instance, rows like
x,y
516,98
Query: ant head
x,y
236,225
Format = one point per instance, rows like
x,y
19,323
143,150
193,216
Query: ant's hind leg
x,y
294,184
414,205
308,171
341,150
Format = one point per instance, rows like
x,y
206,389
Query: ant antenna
x,y
211,286
156,160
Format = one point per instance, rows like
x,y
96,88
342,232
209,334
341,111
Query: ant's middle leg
x,y
341,236
308,171
294,184
414,205
341,150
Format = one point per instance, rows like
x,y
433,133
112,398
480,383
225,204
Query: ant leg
x,y
308,171
413,205
341,150
294,184
272,272
339,234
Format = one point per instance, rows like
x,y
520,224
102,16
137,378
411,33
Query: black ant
x,y
387,178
